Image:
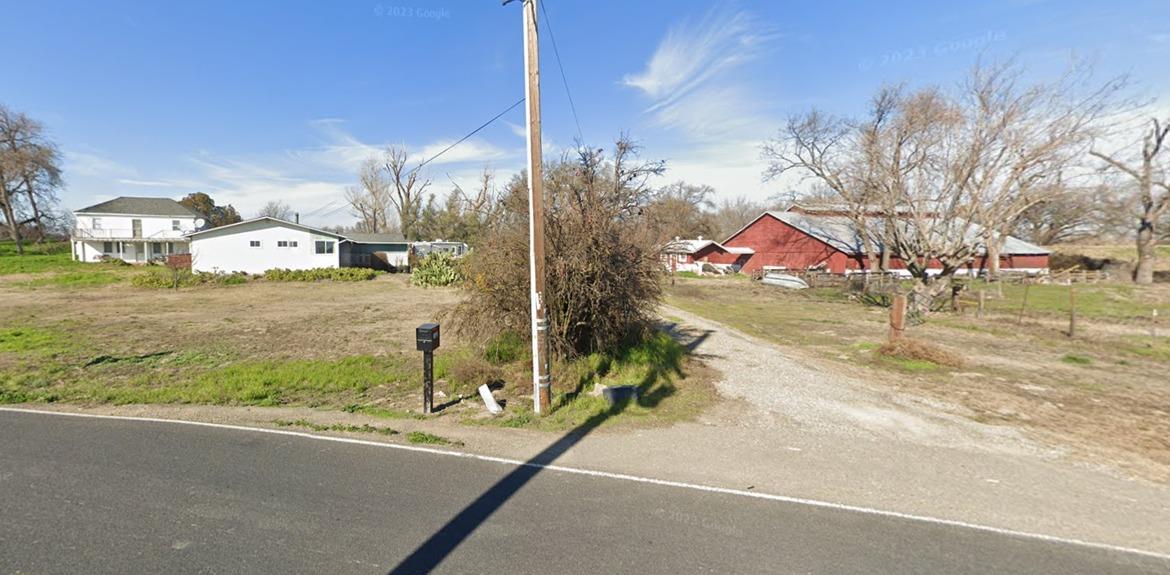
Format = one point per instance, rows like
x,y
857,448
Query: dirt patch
x,y
258,320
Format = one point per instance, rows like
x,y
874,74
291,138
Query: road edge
x,y
622,477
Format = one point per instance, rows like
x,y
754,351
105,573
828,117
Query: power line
x,y
432,158
561,67
470,134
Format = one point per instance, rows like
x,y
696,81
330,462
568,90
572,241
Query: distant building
x,y
690,255
804,238
134,229
457,249
387,252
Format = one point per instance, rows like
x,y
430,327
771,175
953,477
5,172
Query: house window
x,y
324,247
174,225
97,223
282,244
107,247
254,243
292,244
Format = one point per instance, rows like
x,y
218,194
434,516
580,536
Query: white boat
x,y
784,280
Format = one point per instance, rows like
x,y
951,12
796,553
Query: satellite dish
x,y
199,223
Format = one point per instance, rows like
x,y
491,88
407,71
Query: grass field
x,y
1105,391
84,334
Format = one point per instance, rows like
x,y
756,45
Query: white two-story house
x,y
136,230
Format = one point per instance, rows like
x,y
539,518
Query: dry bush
x,y
914,349
468,373
602,273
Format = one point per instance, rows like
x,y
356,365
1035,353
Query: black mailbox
x,y
426,337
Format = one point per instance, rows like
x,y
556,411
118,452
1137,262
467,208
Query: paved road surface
x,y
81,495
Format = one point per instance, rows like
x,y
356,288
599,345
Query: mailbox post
x,y
426,340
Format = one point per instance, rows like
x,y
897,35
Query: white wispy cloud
x,y
691,79
307,178
92,164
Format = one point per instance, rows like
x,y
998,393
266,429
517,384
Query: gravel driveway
x,y
785,393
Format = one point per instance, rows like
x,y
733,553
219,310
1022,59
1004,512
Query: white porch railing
x,y
126,234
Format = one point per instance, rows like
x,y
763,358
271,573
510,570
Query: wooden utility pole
x,y
541,377
897,317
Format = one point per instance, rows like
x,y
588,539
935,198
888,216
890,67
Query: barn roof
x,y
140,206
842,234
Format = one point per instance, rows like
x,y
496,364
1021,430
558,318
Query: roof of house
x,y
842,234
376,238
277,221
138,206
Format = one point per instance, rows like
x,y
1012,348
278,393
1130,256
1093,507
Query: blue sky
x,y
252,102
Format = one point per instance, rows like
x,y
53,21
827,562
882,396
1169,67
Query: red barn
x,y
802,239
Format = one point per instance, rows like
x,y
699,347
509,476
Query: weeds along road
x,y
117,496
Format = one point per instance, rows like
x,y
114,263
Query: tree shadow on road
x,y
653,390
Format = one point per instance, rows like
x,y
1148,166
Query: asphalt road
x,y
81,495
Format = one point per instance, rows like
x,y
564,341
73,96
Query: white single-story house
x,y
133,229
257,245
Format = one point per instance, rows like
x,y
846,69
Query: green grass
x,y
37,263
382,412
1156,348
1100,301
188,376
365,428
1074,359
77,279
909,365
32,341
424,438
655,366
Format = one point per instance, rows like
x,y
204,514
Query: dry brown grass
x,y
918,350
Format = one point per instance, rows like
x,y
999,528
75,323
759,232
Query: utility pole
x,y
541,378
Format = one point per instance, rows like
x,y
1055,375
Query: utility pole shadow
x,y
654,388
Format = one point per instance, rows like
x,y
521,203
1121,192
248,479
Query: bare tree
x,y
370,202
1152,175
1069,214
681,209
276,209
734,213
937,180
406,190
30,175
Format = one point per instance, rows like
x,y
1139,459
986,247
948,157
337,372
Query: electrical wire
x,y
561,67
434,157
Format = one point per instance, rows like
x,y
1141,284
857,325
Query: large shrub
x,y
602,271
437,269
177,277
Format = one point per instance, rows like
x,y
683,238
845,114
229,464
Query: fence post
x,y
982,300
1024,304
897,317
1072,311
